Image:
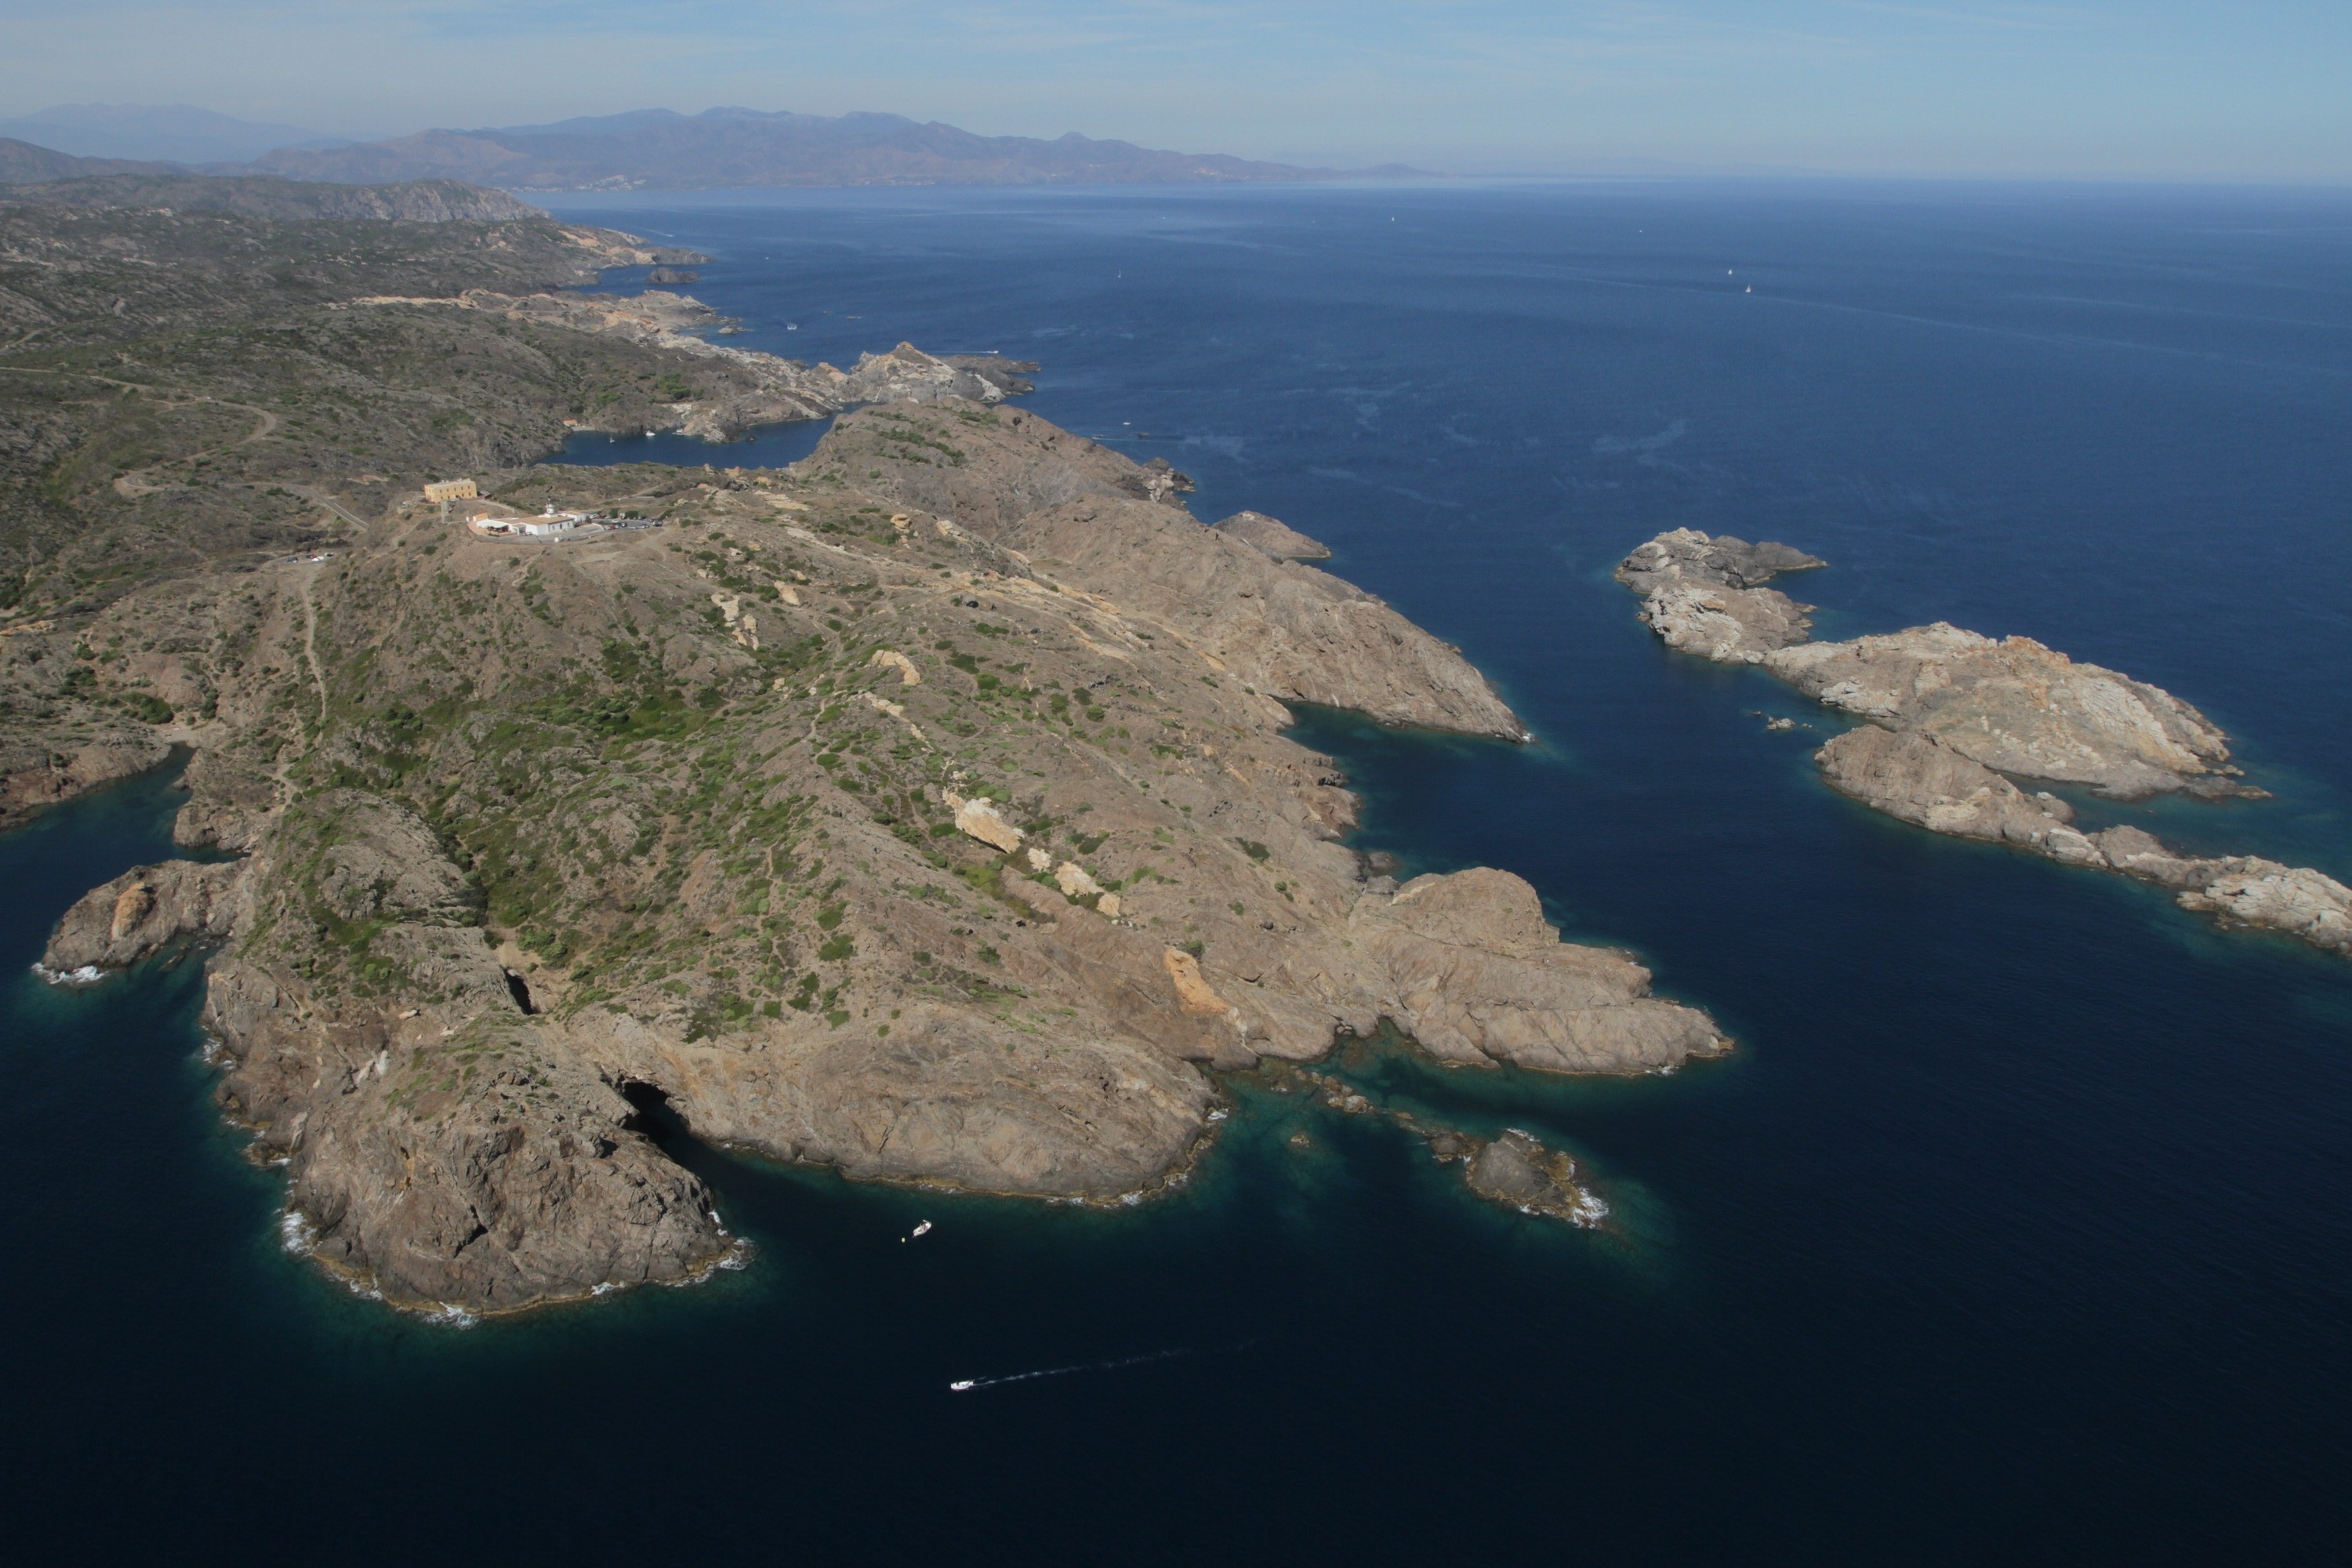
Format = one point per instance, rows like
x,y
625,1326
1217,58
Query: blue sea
x,y
2018,1228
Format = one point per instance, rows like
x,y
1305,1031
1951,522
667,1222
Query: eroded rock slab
x,y
1475,974
1914,777
2018,706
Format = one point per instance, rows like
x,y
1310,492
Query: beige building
x,y
452,490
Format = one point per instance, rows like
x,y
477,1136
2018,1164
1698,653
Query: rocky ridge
x,y
1955,717
762,388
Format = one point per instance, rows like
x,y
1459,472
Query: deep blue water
x,y
2020,1226
764,446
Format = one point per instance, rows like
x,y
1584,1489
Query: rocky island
x,y
924,811
1955,718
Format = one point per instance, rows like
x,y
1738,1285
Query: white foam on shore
x,y
451,1316
299,1235
87,974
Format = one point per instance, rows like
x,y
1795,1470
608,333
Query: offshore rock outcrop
x,y
1953,715
1515,1168
1707,595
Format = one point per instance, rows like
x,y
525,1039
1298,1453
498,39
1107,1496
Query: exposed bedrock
x,y
1955,717
1918,778
1290,631
1273,536
1707,597
143,912
2010,703
1473,973
1686,556
494,1174
2016,705
1517,1171
35,775
452,1151
1073,511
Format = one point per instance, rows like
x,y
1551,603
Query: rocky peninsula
x,y
925,811
1954,719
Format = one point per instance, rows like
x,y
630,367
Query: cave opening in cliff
x,y
520,992
652,1114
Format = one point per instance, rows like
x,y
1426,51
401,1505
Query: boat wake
x,y
970,1384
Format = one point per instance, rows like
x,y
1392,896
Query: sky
x,y
2192,90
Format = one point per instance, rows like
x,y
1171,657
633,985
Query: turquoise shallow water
x,y
2018,1226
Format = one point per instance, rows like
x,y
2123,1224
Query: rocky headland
x,y
925,811
1955,718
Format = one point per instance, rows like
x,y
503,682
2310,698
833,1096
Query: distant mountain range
x,y
658,150
175,133
653,149
22,164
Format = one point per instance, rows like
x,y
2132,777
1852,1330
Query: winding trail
x,y
133,484
313,494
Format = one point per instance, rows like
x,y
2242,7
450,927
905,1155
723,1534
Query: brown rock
x,y
1919,779
2297,900
1274,537
141,912
2016,706
34,777
1473,973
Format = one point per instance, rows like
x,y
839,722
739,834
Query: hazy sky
x,y
2164,89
